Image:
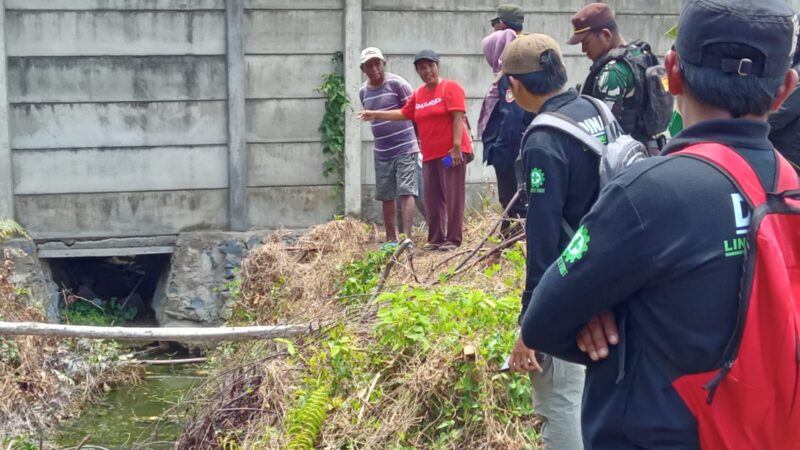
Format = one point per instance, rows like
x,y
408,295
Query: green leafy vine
x,y
332,126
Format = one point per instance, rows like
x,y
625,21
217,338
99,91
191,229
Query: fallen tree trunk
x,y
153,334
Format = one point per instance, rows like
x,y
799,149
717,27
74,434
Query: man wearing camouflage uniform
x,y
627,76
595,28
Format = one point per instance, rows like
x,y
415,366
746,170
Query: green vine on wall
x,y
332,126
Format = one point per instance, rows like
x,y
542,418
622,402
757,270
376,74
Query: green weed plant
x,y
414,325
82,312
361,276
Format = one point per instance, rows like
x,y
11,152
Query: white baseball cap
x,y
370,53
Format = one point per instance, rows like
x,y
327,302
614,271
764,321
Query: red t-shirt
x,y
430,110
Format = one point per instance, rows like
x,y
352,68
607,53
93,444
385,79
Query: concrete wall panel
x,y
290,207
449,33
647,7
275,121
390,30
87,33
532,7
479,7
113,79
294,4
121,214
266,73
651,29
285,165
293,32
118,124
120,170
114,4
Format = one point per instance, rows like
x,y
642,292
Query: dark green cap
x,y
510,12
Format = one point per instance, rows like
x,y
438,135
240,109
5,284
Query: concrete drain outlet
x,y
118,287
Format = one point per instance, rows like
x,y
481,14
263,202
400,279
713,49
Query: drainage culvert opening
x,y
113,290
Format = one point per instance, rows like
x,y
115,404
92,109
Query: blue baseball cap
x,y
770,27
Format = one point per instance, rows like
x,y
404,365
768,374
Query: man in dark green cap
x,y
508,16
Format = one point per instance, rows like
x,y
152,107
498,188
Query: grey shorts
x,y
395,177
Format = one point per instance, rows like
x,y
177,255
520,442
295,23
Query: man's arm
x,y
393,114
456,104
458,125
607,261
546,176
614,83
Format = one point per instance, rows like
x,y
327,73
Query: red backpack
x,y
753,400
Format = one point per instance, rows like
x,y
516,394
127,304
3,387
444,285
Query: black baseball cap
x,y
426,54
770,27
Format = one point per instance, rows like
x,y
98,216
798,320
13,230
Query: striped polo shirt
x,y
392,138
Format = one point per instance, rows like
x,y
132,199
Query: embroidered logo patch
x,y
575,250
537,181
509,96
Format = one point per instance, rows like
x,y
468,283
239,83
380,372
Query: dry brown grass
x,y
35,392
297,283
23,383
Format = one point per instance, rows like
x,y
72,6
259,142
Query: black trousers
x,y
506,188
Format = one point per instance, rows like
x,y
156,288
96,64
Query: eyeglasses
x,y
494,22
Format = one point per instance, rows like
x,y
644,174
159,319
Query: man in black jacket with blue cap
x,y
653,256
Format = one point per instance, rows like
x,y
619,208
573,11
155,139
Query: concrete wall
x,y
117,116
118,110
288,49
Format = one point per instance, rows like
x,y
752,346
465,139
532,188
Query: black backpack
x,y
648,113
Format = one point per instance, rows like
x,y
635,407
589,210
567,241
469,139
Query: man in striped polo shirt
x,y
395,145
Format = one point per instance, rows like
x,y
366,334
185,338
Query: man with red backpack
x,y
691,267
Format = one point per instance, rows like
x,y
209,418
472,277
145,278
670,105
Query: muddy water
x,y
129,417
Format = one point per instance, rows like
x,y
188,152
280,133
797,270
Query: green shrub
x,y
84,312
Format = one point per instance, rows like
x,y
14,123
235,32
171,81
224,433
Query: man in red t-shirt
x,y
438,109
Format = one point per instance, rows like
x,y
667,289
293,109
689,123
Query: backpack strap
x,y
610,123
731,164
615,54
787,177
566,125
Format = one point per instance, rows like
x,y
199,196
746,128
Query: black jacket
x,y
661,247
503,133
568,188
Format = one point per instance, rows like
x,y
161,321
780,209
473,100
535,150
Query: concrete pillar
x,y
352,126
237,148
6,168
